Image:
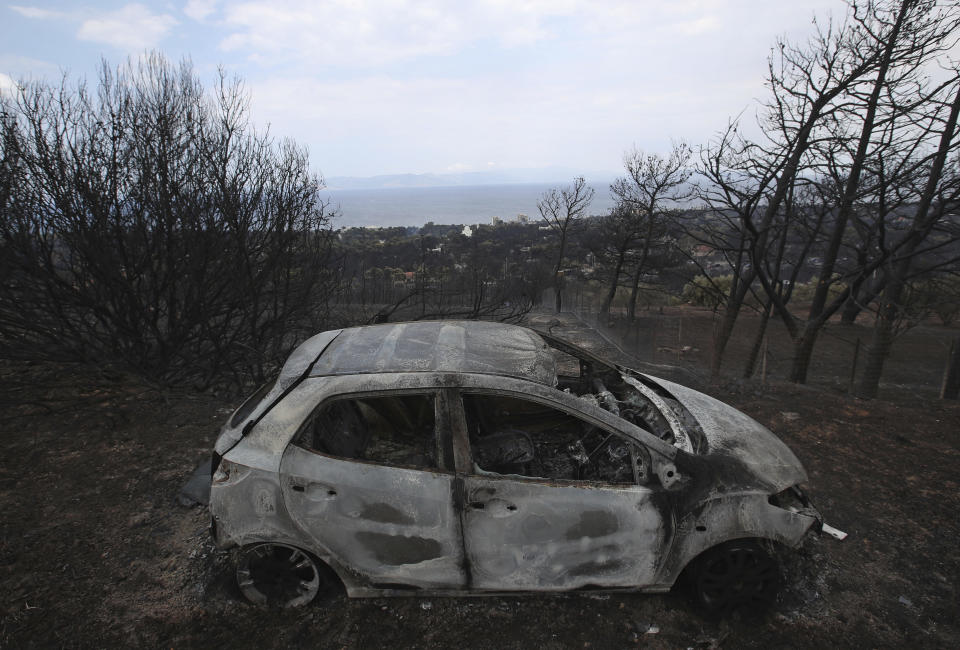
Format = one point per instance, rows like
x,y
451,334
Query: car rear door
x,y
371,499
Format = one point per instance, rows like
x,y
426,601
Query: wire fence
x,y
682,338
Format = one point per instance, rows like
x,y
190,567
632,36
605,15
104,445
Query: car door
x,y
557,505
366,478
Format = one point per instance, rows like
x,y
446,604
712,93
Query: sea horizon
x,y
459,204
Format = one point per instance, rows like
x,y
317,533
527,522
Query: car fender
x,y
728,517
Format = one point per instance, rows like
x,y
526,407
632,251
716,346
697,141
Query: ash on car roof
x,y
440,346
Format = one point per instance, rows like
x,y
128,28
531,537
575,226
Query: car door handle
x,y
315,491
496,507
330,493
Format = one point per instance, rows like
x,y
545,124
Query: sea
x,y
459,204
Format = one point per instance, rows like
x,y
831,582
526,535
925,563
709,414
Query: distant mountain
x,y
500,177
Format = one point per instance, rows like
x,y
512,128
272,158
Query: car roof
x,y
439,346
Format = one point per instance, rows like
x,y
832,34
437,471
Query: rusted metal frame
x,y
460,444
460,436
679,433
574,351
446,451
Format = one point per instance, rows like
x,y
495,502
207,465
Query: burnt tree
x,y
562,209
146,223
654,184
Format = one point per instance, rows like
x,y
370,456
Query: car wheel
x,y
280,576
739,575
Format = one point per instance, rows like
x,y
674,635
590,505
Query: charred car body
x,y
444,457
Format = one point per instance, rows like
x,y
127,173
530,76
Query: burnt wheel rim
x,y
277,575
738,578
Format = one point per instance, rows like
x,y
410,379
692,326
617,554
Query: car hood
x,y
731,434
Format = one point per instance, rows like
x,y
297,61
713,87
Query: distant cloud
x,y
133,27
17,67
7,84
200,9
339,32
37,12
696,27
371,34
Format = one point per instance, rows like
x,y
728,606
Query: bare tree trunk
x,y
612,290
557,274
641,265
817,318
855,305
731,312
893,294
758,341
634,293
951,378
881,342
851,310
802,353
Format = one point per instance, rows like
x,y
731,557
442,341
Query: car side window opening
x,y
510,435
393,430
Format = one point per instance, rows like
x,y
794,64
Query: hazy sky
x,y
395,86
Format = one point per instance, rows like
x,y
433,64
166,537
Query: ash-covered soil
x,y
95,550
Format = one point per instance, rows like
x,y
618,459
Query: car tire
x,y
736,576
279,575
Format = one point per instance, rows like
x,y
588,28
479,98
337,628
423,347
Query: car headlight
x,y
792,499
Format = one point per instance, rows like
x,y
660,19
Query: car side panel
x,y
248,507
394,526
526,535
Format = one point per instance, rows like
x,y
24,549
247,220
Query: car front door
x,y
366,478
552,502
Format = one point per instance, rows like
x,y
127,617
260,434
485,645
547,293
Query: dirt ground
x,y
95,550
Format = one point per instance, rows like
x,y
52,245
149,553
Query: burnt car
x,y
450,457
